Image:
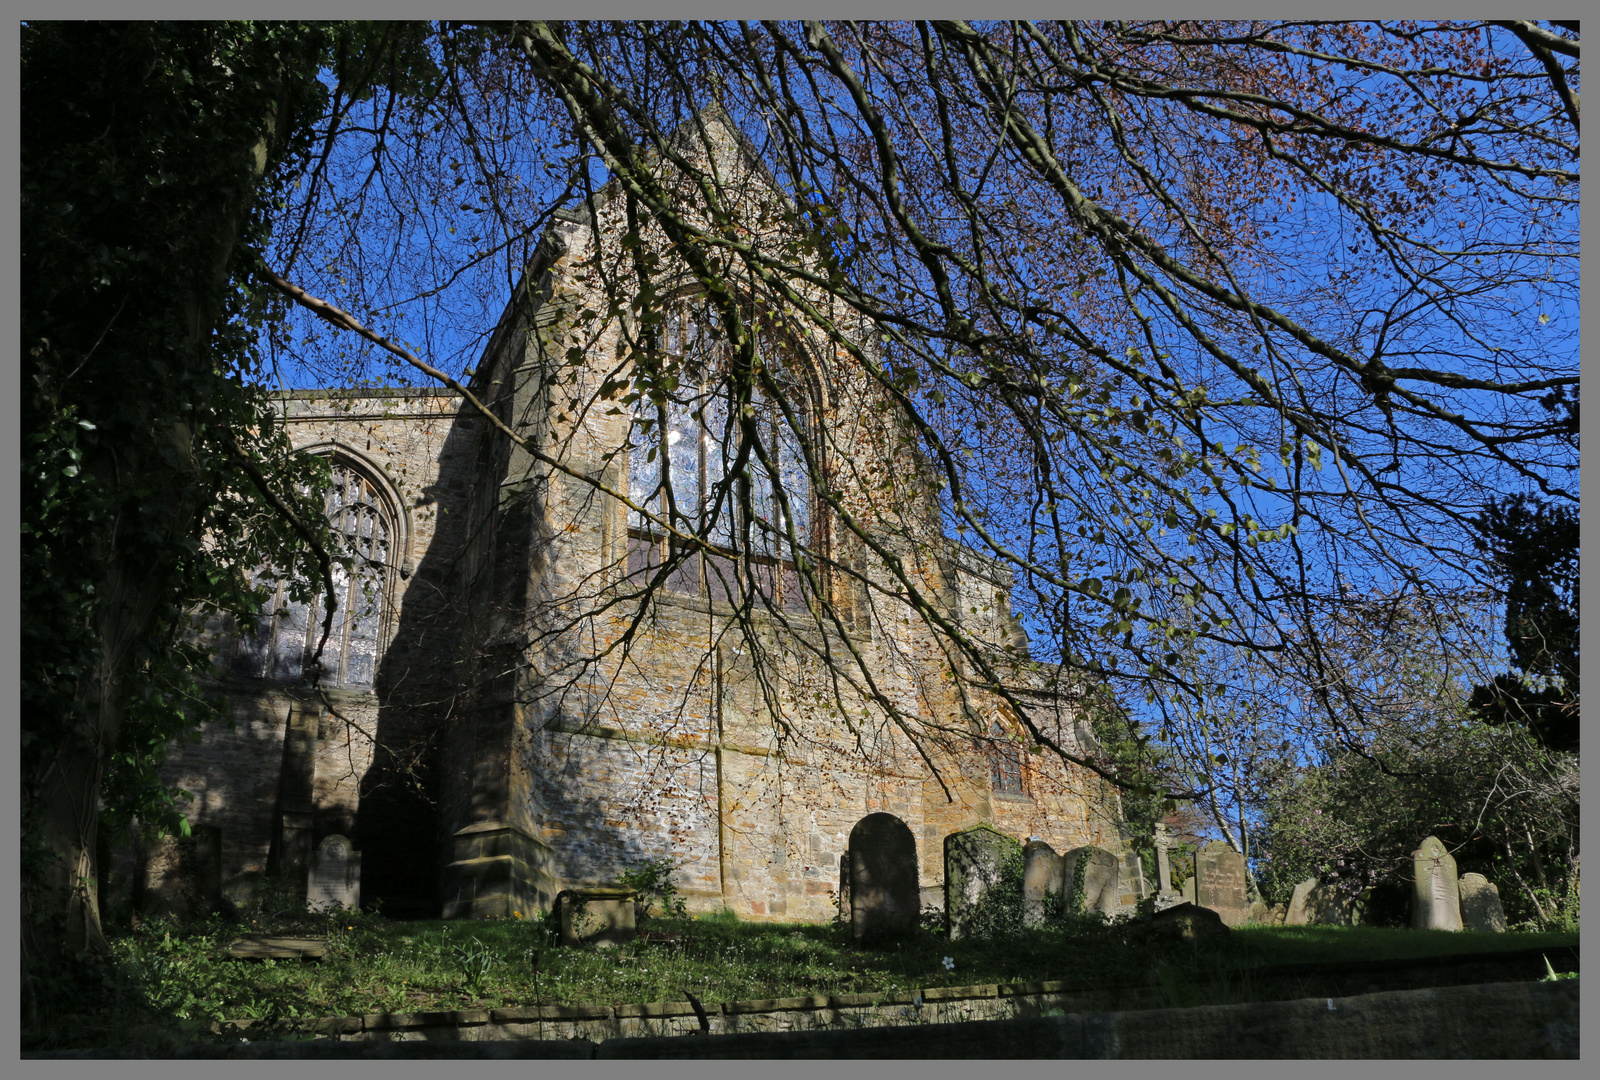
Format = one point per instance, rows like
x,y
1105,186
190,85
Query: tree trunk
x,y
60,908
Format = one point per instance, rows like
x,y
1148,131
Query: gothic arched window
x,y
1005,761
682,469
287,631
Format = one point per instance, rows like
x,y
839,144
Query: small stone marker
x,y
1041,875
883,893
1435,893
1480,904
1220,883
1187,891
974,862
598,915
334,878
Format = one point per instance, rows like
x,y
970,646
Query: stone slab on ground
x,y
277,947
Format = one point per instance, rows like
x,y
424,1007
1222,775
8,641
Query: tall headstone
x,y
1220,883
1041,876
974,864
884,896
334,879
1480,904
1435,893
1163,864
1100,873
1299,913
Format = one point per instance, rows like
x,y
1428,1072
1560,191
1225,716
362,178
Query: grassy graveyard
x,y
173,981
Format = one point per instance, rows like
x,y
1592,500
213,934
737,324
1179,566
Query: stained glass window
x,y
682,474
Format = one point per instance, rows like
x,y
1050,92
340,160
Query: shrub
x,y
653,880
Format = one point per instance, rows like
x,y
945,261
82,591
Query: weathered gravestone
x,y
598,915
1163,864
1099,869
1220,883
974,872
1187,891
1480,904
885,898
181,877
1298,913
334,877
1131,886
1319,903
1435,893
1041,876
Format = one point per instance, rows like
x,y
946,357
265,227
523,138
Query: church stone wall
x,y
550,754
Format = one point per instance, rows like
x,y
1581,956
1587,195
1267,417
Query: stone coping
x,y
1562,959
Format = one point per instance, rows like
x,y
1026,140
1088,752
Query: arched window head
x,y
287,632
695,463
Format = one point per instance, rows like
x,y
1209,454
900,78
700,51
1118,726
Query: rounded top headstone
x,y
882,828
1474,879
335,847
1430,848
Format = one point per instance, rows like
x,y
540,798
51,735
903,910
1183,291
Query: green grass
x,y
175,981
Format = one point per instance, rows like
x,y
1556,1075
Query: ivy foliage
x,y
151,155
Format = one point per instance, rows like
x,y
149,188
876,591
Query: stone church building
x,y
634,631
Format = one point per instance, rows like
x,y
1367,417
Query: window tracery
x,y
684,468
287,631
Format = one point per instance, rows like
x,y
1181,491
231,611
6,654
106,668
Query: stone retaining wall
x,y
937,1005
1502,1021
